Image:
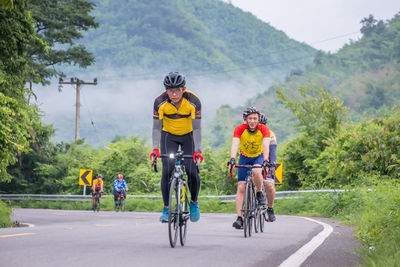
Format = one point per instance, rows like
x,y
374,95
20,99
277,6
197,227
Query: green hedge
x,y
5,213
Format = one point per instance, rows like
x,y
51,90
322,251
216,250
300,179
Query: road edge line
x,y
297,258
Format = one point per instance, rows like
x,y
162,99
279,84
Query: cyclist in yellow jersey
x,y
254,141
270,181
97,187
176,122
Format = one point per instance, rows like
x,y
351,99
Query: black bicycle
x,y
120,201
251,209
96,204
178,206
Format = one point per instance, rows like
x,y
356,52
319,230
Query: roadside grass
x,y
5,213
375,215
131,204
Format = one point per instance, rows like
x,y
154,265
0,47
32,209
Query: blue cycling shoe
x,y
164,216
194,211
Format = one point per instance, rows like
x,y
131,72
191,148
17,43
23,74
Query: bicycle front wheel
x,y
247,216
184,215
97,204
173,212
122,204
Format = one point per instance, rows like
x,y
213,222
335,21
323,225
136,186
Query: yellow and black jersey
x,y
177,121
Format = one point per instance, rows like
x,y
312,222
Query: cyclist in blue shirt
x,y
119,185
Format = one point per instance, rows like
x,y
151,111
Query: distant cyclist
x,y
119,186
270,181
253,139
97,187
176,121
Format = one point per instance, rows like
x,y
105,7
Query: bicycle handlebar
x,y
248,166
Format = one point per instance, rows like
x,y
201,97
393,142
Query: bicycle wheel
x,y
173,213
262,219
122,204
256,210
184,215
251,206
247,211
97,203
257,214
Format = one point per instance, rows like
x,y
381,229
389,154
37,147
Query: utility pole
x,y
78,84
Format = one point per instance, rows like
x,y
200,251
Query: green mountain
x,y
365,74
226,54
205,37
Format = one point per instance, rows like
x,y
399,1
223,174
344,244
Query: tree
x,y
370,25
320,117
16,116
59,23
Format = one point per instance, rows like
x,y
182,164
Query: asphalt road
x,y
85,238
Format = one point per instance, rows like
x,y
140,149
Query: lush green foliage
x,y
320,117
364,74
5,213
55,168
16,33
59,24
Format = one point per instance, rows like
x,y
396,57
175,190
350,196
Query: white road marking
x,y
297,258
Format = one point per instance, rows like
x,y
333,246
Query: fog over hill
x,y
227,56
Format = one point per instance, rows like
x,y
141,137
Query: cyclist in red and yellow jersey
x,y
254,141
269,182
97,187
176,122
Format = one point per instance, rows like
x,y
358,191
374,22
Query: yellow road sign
x,y
278,173
85,177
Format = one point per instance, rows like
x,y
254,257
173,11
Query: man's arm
x,y
235,146
265,145
156,135
196,134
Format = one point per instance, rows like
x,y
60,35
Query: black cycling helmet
x,y
100,176
263,119
249,111
174,80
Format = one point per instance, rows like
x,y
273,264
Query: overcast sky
x,y
315,21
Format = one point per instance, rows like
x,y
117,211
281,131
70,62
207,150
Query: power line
x,y
151,75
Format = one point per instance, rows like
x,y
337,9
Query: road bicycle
x,y
251,208
120,201
178,206
96,204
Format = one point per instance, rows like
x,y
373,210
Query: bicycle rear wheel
x,y
257,214
184,215
173,212
256,209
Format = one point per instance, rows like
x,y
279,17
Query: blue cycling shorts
x,y
243,160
